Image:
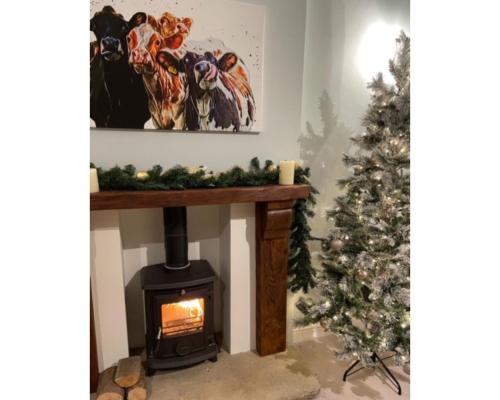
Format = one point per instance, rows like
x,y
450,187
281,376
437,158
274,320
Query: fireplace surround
x,y
273,215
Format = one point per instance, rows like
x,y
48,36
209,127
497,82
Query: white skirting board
x,y
308,333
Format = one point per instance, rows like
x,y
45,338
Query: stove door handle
x,y
158,337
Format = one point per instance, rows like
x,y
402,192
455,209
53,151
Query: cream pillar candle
x,y
94,182
287,171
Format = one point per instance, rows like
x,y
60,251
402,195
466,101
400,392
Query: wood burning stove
x,y
179,303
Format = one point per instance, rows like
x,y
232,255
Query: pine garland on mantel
x,y
301,274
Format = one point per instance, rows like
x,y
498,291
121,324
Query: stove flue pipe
x,y
176,241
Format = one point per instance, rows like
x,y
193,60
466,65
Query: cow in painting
x,y
174,30
117,95
220,95
161,72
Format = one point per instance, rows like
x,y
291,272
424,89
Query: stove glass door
x,y
183,317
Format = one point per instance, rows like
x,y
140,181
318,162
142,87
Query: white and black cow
x,y
117,95
219,93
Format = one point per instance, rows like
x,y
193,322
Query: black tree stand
x,y
379,362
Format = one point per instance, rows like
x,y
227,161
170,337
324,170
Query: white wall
x,y
311,75
335,95
142,232
237,266
108,297
283,56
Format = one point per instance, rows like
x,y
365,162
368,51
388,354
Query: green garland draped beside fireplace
x,y
301,274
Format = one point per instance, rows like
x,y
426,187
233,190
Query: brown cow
x,y
161,72
174,30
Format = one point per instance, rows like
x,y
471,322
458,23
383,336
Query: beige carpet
x,y
307,370
319,357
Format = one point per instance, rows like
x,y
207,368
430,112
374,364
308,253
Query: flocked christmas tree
x,y
364,286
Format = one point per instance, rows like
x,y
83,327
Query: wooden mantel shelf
x,y
119,200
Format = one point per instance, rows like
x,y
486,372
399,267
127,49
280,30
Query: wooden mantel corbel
x,y
272,228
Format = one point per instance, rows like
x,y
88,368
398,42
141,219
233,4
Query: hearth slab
x,y
244,376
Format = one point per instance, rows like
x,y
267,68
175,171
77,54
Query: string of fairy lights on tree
x,y
364,285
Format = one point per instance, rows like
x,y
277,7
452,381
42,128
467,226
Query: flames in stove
x,y
183,317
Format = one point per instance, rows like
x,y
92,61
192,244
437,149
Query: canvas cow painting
x,y
176,66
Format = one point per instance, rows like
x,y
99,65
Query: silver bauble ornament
x,y
362,274
337,244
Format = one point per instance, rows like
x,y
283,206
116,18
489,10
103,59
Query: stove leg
x,y
213,359
150,371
